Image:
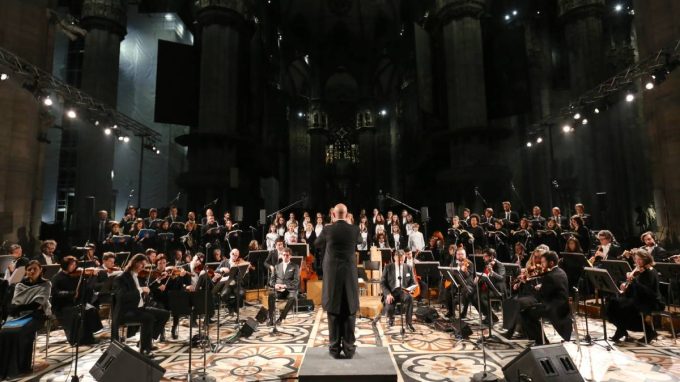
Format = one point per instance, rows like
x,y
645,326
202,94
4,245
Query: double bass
x,y
307,272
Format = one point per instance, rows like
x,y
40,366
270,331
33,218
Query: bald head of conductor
x,y
339,212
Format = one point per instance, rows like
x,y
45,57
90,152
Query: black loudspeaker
x,y
542,364
427,315
602,201
120,363
262,315
238,213
249,327
424,214
463,330
305,305
450,210
263,217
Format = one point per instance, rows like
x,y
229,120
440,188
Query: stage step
x,y
370,364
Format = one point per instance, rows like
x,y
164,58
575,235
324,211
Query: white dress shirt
x,y
139,288
416,241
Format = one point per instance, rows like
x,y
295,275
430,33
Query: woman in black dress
x,y
30,304
639,294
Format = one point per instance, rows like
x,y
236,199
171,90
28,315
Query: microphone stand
x,y
480,196
80,308
388,196
204,377
285,208
401,311
482,376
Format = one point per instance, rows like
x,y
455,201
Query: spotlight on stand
x,y
71,114
4,76
120,138
383,112
577,116
47,101
567,129
529,144
596,111
585,121
630,97
126,139
107,131
649,85
539,140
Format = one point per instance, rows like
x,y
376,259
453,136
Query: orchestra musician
x,y
285,283
129,306
551,302
458,259
649,240
168,279
523,290
226,289
573,245
90,256
72,295
495,271
639,294
31,297
15,272
607,248
396,277
46,256
107,270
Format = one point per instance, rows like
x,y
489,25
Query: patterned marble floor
x,y
427,355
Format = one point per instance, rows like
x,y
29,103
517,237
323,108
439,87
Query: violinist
x,y
73,295
520,256
495,271
227,288
90,256
151,255
523,288
129,305
551,302
100,283
458,260
168,278
639,294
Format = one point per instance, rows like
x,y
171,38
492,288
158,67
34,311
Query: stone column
x,y
105,21
213,166
463,51
583,35
367,163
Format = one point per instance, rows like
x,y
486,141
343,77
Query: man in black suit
x,y
101,228
340,283
276,255
510,218
537,221
561,221
658,253
396,276
495,272
128,306
286,281
607,250
552,303
46,256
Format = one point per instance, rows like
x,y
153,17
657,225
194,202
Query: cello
x,y
307,272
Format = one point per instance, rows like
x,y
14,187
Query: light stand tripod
x,y
80,322
204,377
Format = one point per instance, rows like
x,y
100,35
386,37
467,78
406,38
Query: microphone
x,y
253,228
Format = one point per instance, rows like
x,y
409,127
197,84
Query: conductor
x,y
340,283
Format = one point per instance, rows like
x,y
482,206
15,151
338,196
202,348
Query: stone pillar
x,y
423,49
213,144
583,35
367,163
105,21
465,86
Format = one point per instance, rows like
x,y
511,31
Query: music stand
x,y
489,289
617,269
4,262
425,256
50,270
297,260
386,255
364,255
165,237
146,233
512,271
299,249
479,262
669,272
602,281
122,258
425,269
192,304
257,258
156,223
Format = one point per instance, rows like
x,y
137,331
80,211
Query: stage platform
x,y
427,355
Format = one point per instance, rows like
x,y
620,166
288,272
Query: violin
x,y
630,276
86,272
113,269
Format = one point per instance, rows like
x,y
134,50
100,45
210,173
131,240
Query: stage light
x,y
96,123
47,101
126,139
120,138
585,121
168,17
630,97
514,12
383,112
539,140
529,144
618,7
649,85
107,131
4,76
71,114
577,116
507,17
115,126
301,114
566,128
597,111
158,152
